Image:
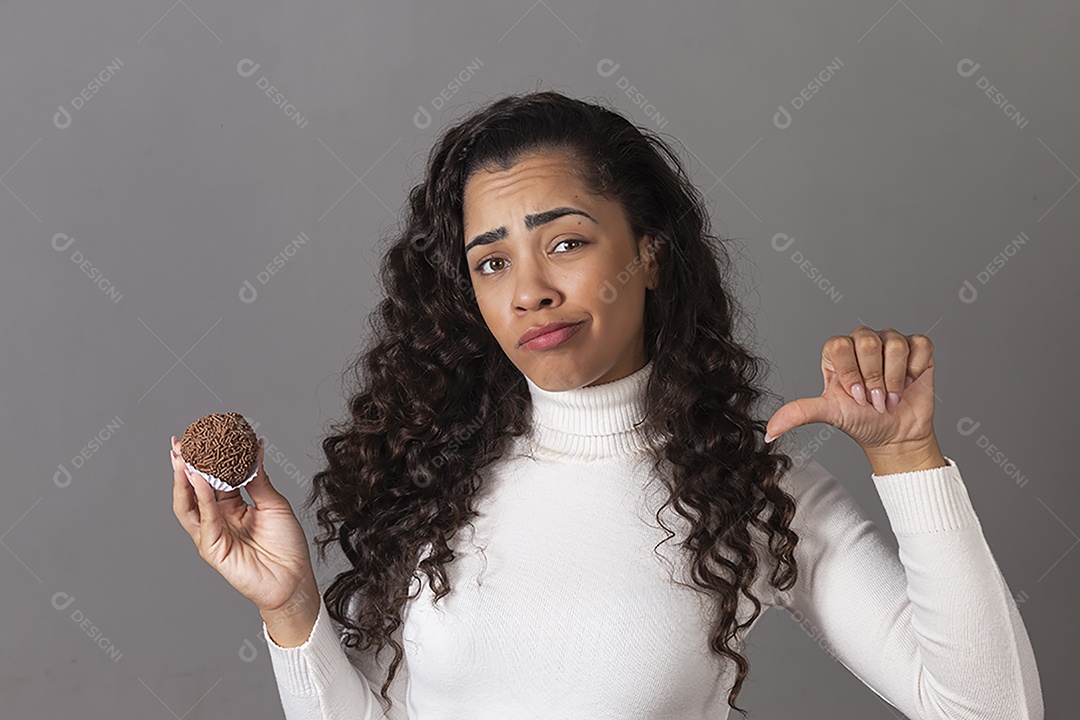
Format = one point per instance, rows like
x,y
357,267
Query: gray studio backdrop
x,y
193,197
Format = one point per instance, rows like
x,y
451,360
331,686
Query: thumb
x,y
261,492
795,414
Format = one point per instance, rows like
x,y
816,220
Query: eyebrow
x,y
531,222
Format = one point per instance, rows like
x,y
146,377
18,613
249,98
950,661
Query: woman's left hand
x,y
879,390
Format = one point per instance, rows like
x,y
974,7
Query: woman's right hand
x,y
260,549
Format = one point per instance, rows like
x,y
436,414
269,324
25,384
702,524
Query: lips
x,y
533,333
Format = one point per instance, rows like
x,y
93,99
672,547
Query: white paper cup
x,y
219,484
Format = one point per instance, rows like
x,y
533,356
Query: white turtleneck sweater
x,y
560,608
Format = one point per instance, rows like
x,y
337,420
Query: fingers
x,y
896,354
261,492
210,529
920,357
878,355
185,504
875,365
871,364
226,495
839,356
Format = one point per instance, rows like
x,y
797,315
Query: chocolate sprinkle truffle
x,y
222,448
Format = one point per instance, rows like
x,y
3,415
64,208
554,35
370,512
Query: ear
x,y
649,263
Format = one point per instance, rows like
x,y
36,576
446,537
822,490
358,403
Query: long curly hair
x,y
436,399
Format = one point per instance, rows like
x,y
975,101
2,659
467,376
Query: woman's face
x,y
540,249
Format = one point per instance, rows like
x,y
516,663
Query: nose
x,y
533,288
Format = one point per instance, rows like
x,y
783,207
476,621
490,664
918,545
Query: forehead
x,y
533,183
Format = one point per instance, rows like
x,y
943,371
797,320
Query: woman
x,y
552,393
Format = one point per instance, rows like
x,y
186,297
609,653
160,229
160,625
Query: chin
x,y
554,373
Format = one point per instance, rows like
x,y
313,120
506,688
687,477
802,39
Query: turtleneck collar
x,y
591,423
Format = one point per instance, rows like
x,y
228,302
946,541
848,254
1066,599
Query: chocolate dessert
x,y
222,448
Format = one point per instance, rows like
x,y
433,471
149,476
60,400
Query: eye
x,y
480,265
577,240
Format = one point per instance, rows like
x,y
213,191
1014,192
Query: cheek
x,y
627,306
591,285
491,310
607,286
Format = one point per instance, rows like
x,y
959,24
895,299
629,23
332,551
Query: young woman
x,y
551,487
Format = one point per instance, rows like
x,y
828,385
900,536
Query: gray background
x,y
180,179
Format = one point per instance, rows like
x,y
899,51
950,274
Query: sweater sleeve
x,y
318,680
933,628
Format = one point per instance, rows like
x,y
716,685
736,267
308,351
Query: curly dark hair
x,y
437,399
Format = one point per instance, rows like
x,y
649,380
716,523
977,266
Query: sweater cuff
x,y
307,670
920,502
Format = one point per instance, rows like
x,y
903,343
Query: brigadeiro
x,y
221,448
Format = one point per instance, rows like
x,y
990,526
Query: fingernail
x,y
878,397
859,393
892,401
907,383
